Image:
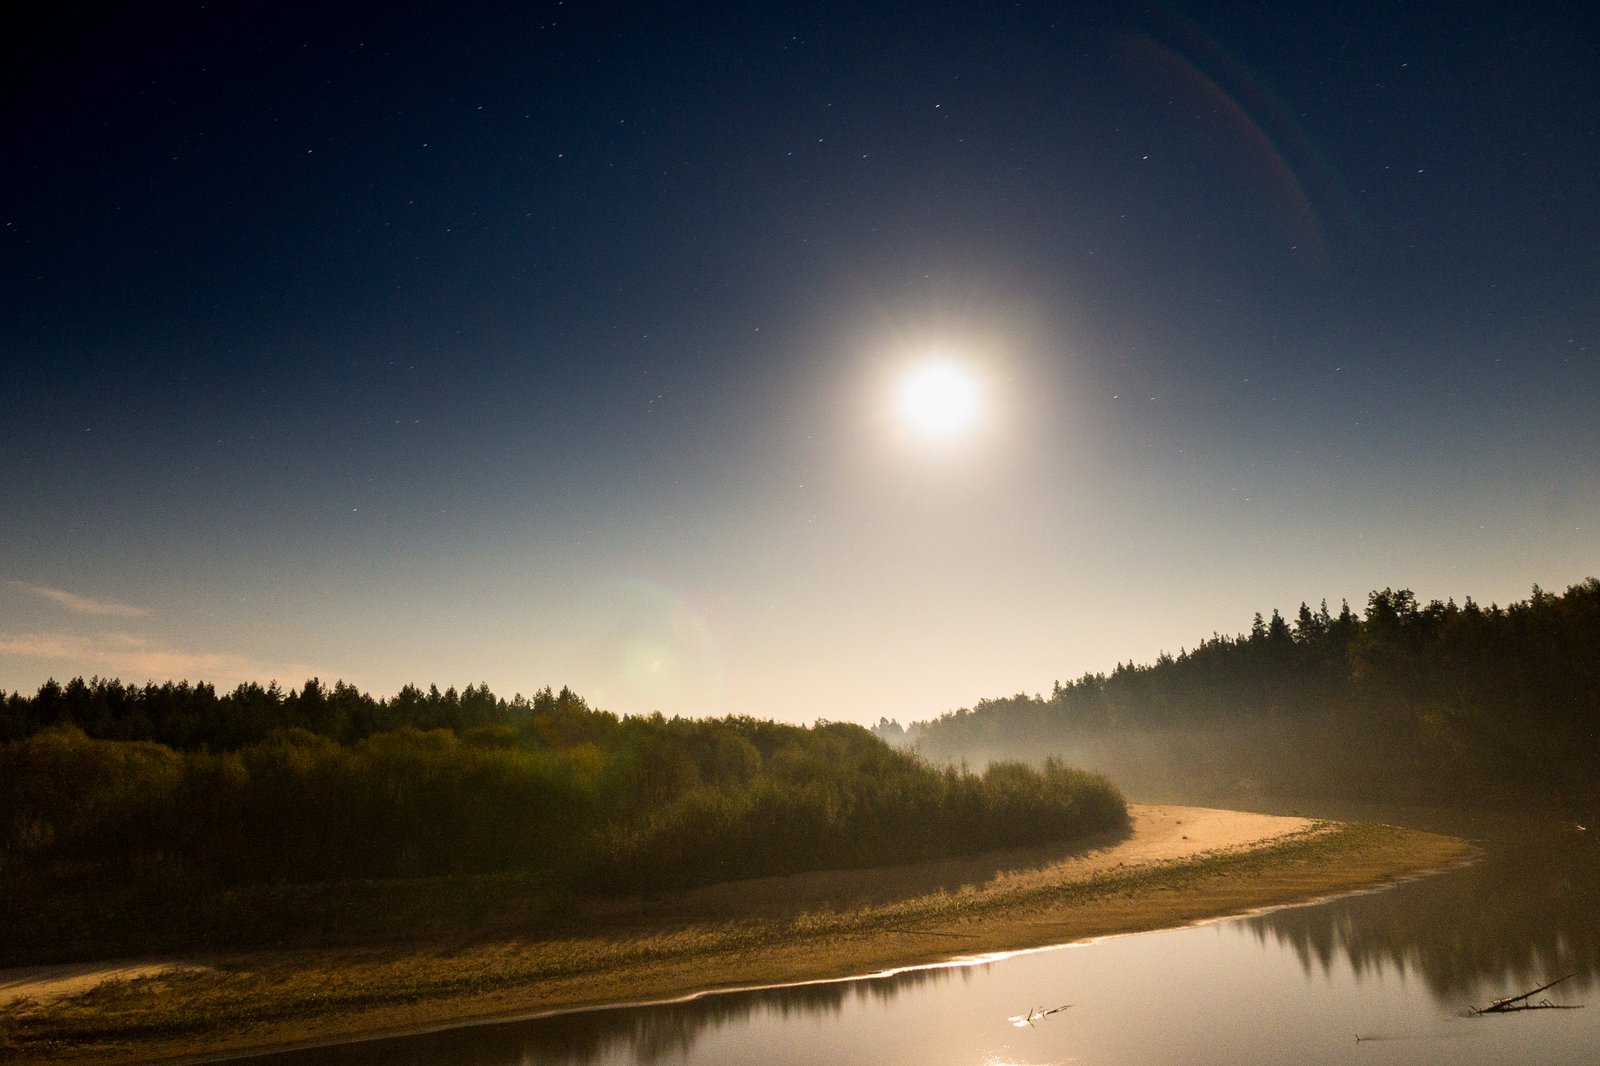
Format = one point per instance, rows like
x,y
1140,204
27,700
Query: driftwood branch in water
x,y
1035,1013
1514,1003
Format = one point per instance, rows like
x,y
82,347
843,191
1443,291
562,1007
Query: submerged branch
x,y
1516,1003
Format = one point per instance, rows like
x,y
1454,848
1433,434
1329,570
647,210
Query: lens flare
x,y
938,401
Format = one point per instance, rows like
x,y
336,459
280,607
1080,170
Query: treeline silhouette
x,y
173,784
1411,700
189,717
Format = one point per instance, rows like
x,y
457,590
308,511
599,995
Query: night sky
x,y
558,343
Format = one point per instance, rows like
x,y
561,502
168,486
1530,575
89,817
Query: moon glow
x,y
937,401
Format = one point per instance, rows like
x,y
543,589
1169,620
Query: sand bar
x,y
1173,865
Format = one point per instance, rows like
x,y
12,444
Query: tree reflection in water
x,y
1528,912
665,1032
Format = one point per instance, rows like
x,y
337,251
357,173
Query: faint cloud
x,y
132,657
82,604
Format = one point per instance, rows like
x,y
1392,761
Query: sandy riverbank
x,y
1172,866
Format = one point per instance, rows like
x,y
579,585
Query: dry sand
x,y
1156,833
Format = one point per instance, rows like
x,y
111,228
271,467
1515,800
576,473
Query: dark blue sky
x,y
555,342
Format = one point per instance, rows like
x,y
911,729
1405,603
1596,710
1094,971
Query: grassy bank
x,y
681,945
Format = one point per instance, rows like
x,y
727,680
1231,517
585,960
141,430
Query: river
x,y
1397,968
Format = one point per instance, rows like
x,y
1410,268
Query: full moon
x,y
937,401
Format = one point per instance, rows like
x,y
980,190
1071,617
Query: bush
x,y
661,804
